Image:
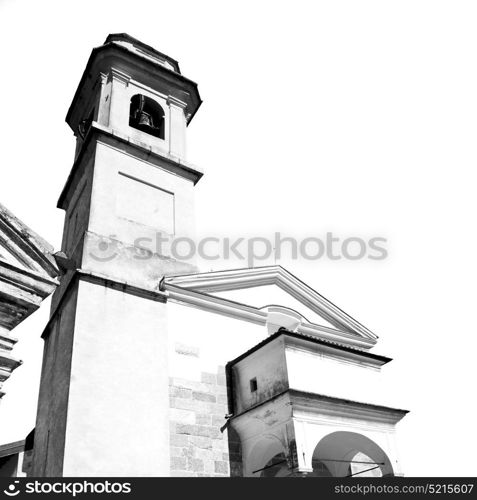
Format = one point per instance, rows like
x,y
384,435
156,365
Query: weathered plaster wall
x,y
328,374
54,387
118,398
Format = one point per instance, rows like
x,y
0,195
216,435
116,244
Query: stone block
x,y
188,429
208,431
195,464
218,421
208,378
209,467
221,389
222,398
220,444
201,442
180,392
204,454
176,451
219,455
188,452
192,384
194,405
221,379
182,416
202,396
203,419
178,463
179,440
221,467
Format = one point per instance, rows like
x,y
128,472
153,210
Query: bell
x,y
145,119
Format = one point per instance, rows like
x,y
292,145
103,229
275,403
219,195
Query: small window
x,y
146,115
253,385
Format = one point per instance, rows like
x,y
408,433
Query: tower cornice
x,y
151,154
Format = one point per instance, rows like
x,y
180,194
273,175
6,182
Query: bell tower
x,y
103,403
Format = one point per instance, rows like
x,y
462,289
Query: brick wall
x,y
197,413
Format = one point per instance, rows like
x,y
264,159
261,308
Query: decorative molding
x,y
115,139
29,251
338,407
119,76
236,279
326,405
215,304
7,365
28,274
98,279
171,100
251,314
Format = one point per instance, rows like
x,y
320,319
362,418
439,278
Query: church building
x,y
150,367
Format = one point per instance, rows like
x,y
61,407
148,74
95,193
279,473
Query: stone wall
x,y
199,441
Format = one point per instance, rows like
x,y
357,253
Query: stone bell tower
x,y
103,403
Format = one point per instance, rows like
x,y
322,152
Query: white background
x,y
357,117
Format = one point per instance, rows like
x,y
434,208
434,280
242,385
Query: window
x,y
253,385
146,115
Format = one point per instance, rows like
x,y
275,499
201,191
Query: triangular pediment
x,y
23,249
284,290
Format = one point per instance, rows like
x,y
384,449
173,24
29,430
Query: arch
x,y
147,115
277,466
342,454
263,454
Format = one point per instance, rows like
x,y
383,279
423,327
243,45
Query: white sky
x,y
353,117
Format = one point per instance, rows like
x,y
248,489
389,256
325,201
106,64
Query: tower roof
x,y
142,48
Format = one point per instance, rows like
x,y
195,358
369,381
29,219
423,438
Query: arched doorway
x,y
345,454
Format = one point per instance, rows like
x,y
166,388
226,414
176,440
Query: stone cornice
x,y
21,293
28,279
28,274
96,278
12,448
7,365
176,102
152,154
293,341
120,76
306,403
251,314
336,407
236,279
30,250
215,304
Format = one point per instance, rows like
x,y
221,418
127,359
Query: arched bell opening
x,y
349,454
146,115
